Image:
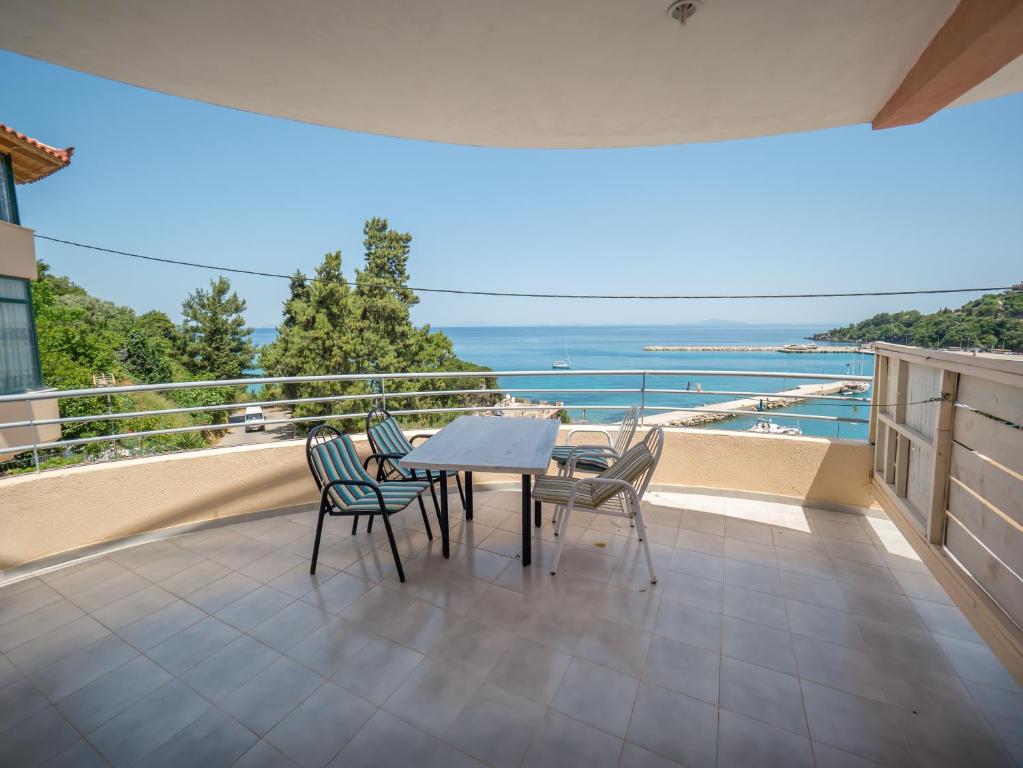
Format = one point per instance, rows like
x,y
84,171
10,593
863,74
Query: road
x,y
272,433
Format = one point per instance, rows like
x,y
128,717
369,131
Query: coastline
x,y
787,349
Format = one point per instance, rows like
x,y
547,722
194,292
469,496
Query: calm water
x,y
531,348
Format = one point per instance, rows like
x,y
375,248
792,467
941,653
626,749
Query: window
x,y
19,357
8,202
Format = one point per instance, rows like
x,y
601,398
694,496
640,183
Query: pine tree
x,y
331,326
216,342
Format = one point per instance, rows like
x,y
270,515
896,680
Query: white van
x,y
254,419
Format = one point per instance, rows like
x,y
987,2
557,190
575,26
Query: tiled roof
x,y
32,160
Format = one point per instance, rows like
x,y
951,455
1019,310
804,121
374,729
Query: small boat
x,y
768,427
798,348
565,364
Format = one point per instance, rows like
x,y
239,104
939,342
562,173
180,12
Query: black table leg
x,y
445,546
468,495
537,514
527,534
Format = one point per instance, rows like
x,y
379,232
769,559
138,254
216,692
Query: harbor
x,y
716,412
811,349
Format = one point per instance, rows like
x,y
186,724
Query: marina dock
x,y
745,406
810,349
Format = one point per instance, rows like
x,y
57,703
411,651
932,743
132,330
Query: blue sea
x,y
534,348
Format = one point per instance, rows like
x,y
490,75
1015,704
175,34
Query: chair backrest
x,y
626,430
635,467
332,456
385,436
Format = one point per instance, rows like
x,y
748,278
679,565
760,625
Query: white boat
x,y
768,427
565,364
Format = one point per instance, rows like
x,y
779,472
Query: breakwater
x,y
744,407
787,348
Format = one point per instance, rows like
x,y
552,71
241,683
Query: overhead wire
x,y
540,295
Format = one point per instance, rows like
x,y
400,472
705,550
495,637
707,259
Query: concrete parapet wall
x,y
66,510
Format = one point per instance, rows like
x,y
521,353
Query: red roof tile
x,y
32,159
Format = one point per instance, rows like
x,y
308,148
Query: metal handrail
x,y
168,386
117,416
383,396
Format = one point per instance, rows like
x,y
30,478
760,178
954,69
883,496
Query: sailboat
x,y
565,364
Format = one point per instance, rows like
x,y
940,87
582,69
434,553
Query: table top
x,y
489,444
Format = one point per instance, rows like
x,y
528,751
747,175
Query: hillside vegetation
x,y
994,321
81,337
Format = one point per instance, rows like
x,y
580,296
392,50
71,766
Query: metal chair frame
x,y
381,414
615,446
317,436
626,503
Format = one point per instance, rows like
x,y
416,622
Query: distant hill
x,y
995,320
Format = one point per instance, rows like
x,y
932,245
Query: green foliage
x,y
995,320
216,342
81,336
146,359
331,326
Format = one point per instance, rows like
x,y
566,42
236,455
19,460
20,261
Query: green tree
x,y
331,326
80,336
993,320
216,342
146,358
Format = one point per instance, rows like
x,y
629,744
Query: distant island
x,y
994,321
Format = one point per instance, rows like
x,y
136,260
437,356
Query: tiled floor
x,y
775,636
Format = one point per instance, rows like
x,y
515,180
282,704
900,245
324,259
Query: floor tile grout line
x,y
607,584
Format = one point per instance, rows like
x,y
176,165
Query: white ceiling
x,y
529,73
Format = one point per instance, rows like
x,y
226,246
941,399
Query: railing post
x,y
941,457
35,439
642,401
383,394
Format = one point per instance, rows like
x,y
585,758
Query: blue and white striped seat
x,y
389,441
590,462
387,437
338,459
346,488
599,456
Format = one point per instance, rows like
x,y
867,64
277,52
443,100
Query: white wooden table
x,y
488,444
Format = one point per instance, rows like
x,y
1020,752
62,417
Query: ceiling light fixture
x,y
682,10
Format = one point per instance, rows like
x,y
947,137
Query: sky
x,y
937,205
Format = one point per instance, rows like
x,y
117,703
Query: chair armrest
x,y
419,437
381,458
591,431
357,483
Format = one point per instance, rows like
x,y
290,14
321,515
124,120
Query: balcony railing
x,y
643,394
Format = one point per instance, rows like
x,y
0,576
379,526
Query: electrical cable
x,y
524,294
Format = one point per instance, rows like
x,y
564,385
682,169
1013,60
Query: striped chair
x,y
596,457
618,491
346,488
388,441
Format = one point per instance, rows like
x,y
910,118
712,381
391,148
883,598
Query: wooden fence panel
x,y
994,439
918,485
951,472
991,528
1005,587
992,397
924,384
991,482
